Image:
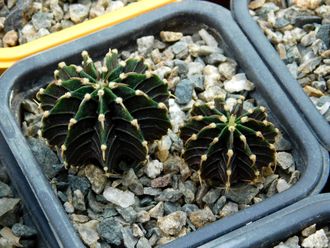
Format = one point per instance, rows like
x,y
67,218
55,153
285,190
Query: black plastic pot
x,y
267,52
24,78
279,226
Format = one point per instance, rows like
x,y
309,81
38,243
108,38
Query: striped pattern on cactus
x,y
228,146
104,115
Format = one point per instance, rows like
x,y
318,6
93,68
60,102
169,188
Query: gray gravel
x,y
23,21
300,32
15,227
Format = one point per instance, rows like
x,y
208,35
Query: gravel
x,y
300,32
310,237
23,21
15,227
164,199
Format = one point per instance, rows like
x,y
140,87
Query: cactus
x,y
104,115
228,146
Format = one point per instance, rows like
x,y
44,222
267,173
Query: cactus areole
x,y
229,146
104,115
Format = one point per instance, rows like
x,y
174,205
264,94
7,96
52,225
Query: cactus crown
x,y
104,115
228,146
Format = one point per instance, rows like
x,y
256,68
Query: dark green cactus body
x,y
228,146
104,115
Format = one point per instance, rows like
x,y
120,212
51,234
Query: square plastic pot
x,y
267,52
10,55
26,77
277,227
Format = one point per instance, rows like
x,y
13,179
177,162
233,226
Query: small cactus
x,y
228,146
104,115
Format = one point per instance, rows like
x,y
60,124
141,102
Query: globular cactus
x,y
104,115
228,146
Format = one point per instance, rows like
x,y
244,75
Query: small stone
x,y
168,36
81,183
284,160
311,91
43,154
184,91
171,165
118,197
243,194
184,170
292,242
68,207
88,233
29,33
96,177
128,214
202,190
170,207
197,81
153,168
131,181
42,20
323,33
322,70
23,231
10,39
136,230
180,49
218,205
282,144
143,243
238,83
157,211
129,240
195,68
201,51
188,189
209,39
212,196
143,216
227,69
78,12
228,209
151,191
172,223
282,185
79,218
115,5
256,4
309,65
182,66
96,10
110,230
316,240
202,217
78,200
5,190
211,75
145,44
308,230
215,58
169,194
188,208
8,205
161,182
212,92
294,177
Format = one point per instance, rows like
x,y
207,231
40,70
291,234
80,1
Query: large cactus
x,y
104,115
228,146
